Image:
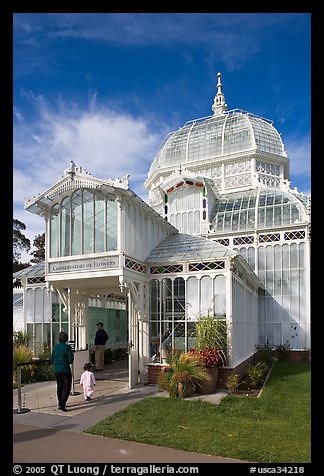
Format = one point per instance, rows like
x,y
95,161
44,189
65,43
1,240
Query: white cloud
x,y
17,114
106,143
299,153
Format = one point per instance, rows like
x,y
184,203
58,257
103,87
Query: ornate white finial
x,y
219,105
71,170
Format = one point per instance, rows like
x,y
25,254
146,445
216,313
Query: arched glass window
x,y
154,300
190,223
197,221
76,222
111,225
55,231
192,297
88,215
179,298
206,295
220,296
166,299
251,257
99,220
65,226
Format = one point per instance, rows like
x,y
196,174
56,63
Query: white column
x,y
229,314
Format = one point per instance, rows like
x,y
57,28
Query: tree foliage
x,y
20,241
39,252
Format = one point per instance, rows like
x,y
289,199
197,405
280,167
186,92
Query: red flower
x,y
211,357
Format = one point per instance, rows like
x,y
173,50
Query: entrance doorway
x,y
115,371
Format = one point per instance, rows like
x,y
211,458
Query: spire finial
x,y
219,105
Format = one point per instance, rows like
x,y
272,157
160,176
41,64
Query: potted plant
x,y
211,338
211,360
186,371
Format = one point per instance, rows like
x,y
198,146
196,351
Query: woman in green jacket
x,y
62,356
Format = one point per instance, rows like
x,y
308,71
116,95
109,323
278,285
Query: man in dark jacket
x,y
62,356
101,338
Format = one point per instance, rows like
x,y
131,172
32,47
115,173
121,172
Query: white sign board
x,y
93,264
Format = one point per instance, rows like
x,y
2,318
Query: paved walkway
x,y
44,434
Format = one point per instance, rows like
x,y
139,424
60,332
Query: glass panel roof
x,y
231,132
258,208
183,247
266,136
37,270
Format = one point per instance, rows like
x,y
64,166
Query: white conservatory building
x,y
223,234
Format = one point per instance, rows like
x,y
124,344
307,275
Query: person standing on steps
x,y
62,356
100,340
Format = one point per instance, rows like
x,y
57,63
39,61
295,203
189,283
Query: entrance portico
x,y
75,291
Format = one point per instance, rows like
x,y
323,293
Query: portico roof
x,y
184,247
34,271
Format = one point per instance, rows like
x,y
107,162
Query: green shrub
x,y
232,382
164,379
22,354
256,374
165,382
43,373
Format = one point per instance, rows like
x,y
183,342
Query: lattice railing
x,y
210,265
269,237
295,235
135,265
175,268
243,240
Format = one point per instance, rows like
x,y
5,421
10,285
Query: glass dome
x,y
269,207
231,132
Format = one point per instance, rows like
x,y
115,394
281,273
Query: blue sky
x,y
104,89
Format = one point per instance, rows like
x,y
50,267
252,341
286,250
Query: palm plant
x,y
186,369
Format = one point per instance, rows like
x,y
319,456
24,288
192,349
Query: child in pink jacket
x,y
87,381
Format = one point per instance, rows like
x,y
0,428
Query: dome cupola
x,y
219,138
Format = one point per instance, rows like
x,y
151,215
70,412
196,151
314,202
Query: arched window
x,y
192,297
220,296
206,295
65,226
55,231
76,222
88,219
111,225
99,220
179,298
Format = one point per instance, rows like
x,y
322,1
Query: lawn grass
x,y
274,428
